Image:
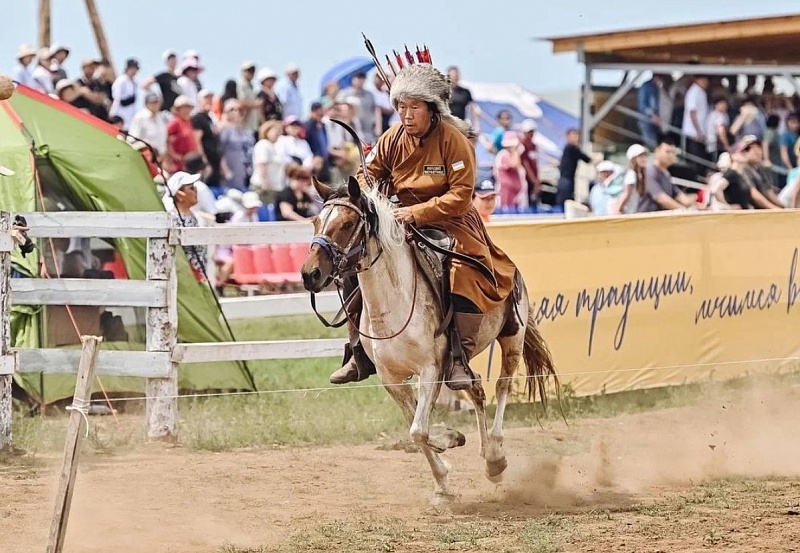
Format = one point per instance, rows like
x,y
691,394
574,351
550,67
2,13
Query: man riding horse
x,y
429,163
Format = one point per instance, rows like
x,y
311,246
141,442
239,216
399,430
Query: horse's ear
x,y
354,189
322,189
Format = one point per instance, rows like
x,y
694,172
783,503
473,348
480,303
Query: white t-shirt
x,y
696,100
715,119
124,87
152,128
266,152
189,89
289,147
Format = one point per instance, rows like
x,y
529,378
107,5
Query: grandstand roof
x,y
761,41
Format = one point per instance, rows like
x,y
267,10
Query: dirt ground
x,y
724,475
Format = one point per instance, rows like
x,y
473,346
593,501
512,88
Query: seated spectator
x,y
294,202
182,138
223,254
292,147
730,190
608,187
659,191
236,142
756,173
484,199
268,163
790,195
251,203
508,170
633,182
67,91
206,209
41,78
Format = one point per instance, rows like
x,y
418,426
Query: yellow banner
x,y
642,302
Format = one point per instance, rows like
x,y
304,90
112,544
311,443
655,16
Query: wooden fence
x,y
157,293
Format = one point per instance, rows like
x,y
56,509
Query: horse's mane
x,y
389,232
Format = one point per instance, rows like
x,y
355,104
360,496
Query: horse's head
x,y
342,229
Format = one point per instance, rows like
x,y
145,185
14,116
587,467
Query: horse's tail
x,y
538,363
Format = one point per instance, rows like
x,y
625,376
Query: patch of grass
x,y
230,548
365,534
547,535
465,536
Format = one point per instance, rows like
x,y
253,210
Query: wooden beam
x,y
142,364
742,29
44,24
80,224
86,291
99,33
252,233
251,351
278,305
72,447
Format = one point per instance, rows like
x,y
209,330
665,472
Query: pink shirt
x,y
509,179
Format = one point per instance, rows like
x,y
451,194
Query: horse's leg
x,y
403,394
479,402
495,457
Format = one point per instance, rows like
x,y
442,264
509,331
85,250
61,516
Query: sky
x,y
490,40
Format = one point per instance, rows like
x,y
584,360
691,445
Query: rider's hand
x,y
403,214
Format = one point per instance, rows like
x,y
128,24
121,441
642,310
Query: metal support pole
x,y
586,108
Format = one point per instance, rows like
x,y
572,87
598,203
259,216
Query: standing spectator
x,y
508,170
529,157
246,94
193,57
268,164
772,147
190,69
648,98
604,195
569,165
22,74
665,103
92,98
271,107
634,180
788,140
317,138
124,93
67,91
182,139
751,121
181,187
694,121
104,75
236,143
150,124
504,120
167,81
289,92
659,191
42,78
367,115
341,148
228,93
717,129
484,199
294,202
461,98
204,123
292,147
329,95
58,55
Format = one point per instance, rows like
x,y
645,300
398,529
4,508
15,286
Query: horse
x,y
399,321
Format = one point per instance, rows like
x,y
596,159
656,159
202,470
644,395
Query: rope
x,y
322,389
82,407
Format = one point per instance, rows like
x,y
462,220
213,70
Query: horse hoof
x,y
495,470
440,498
460,439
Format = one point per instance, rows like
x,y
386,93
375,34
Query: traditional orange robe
x,y
436,179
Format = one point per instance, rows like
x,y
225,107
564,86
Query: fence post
x,y
162,331
6,356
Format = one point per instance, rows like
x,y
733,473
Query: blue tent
x,y
342,73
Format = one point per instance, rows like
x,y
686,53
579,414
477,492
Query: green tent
x,y
66,159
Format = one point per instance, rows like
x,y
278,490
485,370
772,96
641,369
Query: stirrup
x,y
462,381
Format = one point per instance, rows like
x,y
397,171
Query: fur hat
x,y
424,82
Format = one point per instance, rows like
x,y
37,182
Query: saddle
x,y
432,249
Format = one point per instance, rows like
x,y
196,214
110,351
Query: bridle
x,y
354,258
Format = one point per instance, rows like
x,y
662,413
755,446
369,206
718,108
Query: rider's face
x,y
415,115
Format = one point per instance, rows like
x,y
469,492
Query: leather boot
x,y
356,366
468,325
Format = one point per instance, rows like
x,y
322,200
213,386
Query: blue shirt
x,y
789,139
497,138
648,98
289,95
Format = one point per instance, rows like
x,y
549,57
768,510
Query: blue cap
x,y
485,188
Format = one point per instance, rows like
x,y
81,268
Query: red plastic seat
x,y
298,253
262,259
244,270
283,265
